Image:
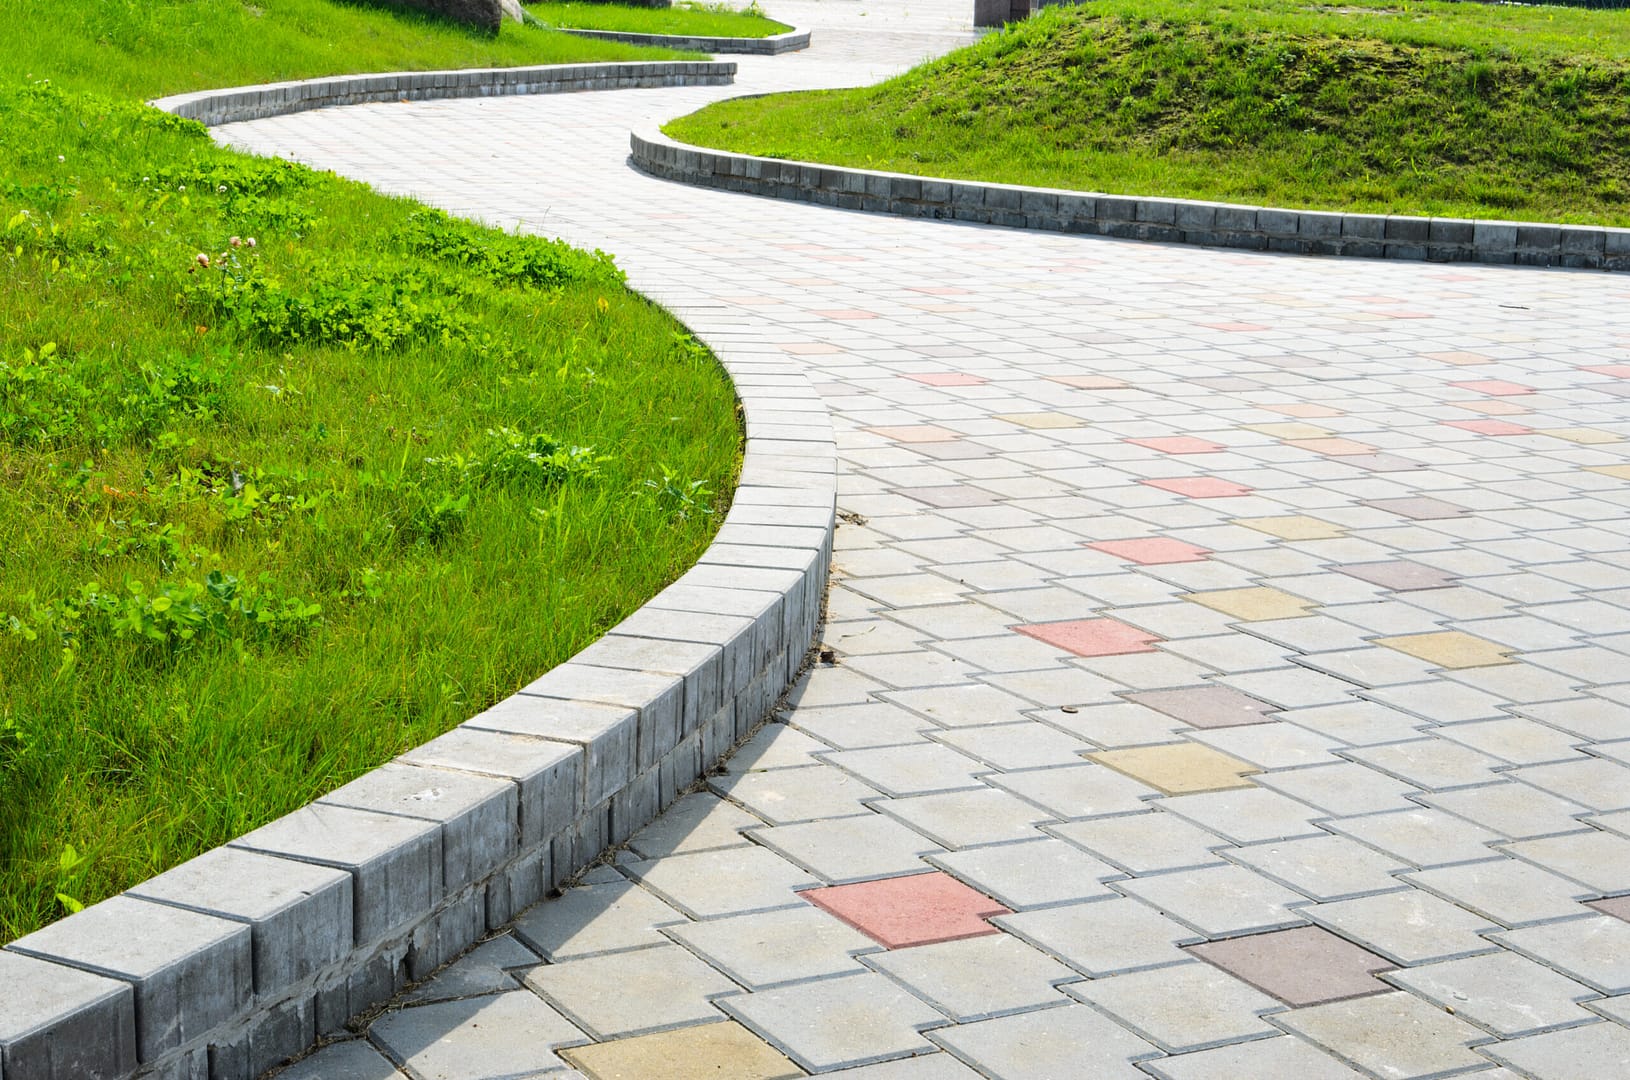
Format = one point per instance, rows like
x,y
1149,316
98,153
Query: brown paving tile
x,y
1152,550
950,495
1293,527
1177,444
1616,906
1253,604
1417,507
1179,768
1092,637
1399,575
700,1052
1199,487
1206,706
1450,649
917,909
1305,965
915,433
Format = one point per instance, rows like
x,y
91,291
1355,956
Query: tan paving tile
x,y
1450,649
1583,435
1254,604
1293,527
703,1052
1287,431
1040,420
1179,768
1620,472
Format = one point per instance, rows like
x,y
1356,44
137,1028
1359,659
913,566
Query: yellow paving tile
x,y
1293,527
1288,431
703,1052
1450,649
1253,604
1179,768
1588,436
1040,420
1332,447
1620,472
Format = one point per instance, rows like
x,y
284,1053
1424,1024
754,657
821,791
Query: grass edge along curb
x,y
239,103
1165,220
774,45
243,957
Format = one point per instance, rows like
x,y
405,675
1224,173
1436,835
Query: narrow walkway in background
x,y
1232,651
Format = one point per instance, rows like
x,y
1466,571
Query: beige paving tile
x,y
1450,649
702,1052
1293,527
1179,768
1255,604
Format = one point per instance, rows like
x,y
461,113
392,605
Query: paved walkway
x,y
1232,651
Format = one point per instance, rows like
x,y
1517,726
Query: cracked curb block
x,y
240,103
1172,221
774,45
241,958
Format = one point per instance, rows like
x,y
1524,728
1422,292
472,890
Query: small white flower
x,y
236,241
250,241
201,259
220,189
60,158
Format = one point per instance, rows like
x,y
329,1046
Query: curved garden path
x,y
1244,625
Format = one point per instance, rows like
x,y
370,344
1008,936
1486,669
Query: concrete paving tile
x,y
1589,717
914,769
832,1023
1408,927
474,1039
727,881
1432,764
785,796
1323,867
1512,894
689,1053
1417,508
1395,1034
1027,745
959,819
967,703
1305,965
1515,811
1179,768
1270,746
834,685
850,848
864,637
695,822
768,948
628,993
940,1066
1284,1056
1181,1008
1063,686
593,919
1142,843
1070,1041
917,909
1206,706
774,746
1246,815
353,1059
1076,791
1519,741
921,667
1596,1052
1031,873
1292,687
1501,992
482,970
1591,781
1358,723
1599,860
977,978
854,727
1293,527
1102,937
1594,950
1219,901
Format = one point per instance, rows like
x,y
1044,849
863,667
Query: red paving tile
x,y
948,378
918,909
1177,444
1199,487
1618,371
1494,387
1152,550
1092,637
1489,427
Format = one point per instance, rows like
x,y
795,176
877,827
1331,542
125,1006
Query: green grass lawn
x,y
683,19
293,476
1465,110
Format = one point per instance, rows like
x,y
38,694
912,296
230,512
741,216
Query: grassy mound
x,y
1465,110
684,19
293,477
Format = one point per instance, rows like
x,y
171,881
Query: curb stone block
x,y
1278,223
395,862
61,1023
604,734
658,699
299,914
547,775
188,971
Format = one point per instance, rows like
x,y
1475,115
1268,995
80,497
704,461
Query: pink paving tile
x,y
1092,637
938,290
1234,327
1331,447
918,909
1301,966
1089,382
915,433
1206,706
1618,371
1307,411
1199,487
1492,407
1617,906
1152,550
947,378
845,313
1177,444
1489,427
1494,387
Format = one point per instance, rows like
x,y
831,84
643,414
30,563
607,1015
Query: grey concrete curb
x,y
229,964
1178,221
238,103
776,44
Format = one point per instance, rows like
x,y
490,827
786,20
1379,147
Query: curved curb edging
x,y
1180,221
774,45
243,957
237,103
